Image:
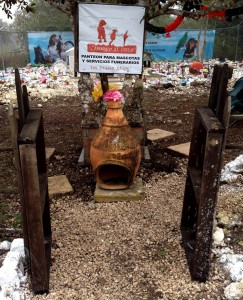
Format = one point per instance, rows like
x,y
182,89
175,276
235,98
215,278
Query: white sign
x,y
111,38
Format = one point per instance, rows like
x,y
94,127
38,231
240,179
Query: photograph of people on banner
x,y
111,38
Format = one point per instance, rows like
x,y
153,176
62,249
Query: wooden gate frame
x,y
203,174
30,159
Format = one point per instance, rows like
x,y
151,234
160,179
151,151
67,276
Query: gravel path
x,y
132,250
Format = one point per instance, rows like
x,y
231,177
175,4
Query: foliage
x,y
228,43
22,4
155,8
45,18
49,16
17,220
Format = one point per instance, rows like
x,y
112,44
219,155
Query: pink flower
x,y
43,79
113,95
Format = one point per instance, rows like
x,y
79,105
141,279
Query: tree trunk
x,y
204,39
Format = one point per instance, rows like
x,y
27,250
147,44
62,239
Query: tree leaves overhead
x,y
45,18
155,7
22,4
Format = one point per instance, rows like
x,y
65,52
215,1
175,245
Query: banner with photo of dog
x,y
111,38
49,47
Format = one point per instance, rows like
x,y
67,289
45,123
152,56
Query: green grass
x,y
17,221
162,252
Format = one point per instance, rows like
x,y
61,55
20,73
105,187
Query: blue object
x,y
237,96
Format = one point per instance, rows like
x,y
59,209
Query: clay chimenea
x,y
115,153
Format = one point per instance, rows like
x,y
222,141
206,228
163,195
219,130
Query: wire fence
x,y
14,51
229,43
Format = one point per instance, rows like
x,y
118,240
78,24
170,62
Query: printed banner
x,y
111,38
48,47
181,45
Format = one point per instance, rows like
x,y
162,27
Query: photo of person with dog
x,y
47,48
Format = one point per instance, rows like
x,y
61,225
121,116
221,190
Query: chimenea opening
x,y
113,176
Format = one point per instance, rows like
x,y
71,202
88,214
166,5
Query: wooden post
x,y
30,159
203,172
19,92
104,82
201,191
35,187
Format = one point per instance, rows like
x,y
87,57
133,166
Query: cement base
x,y
133,193
59,185
81,158
146,153
49,153
158,134
181,148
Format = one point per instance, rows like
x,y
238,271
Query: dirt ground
x,y
168,109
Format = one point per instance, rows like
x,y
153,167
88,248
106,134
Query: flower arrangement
x,y
97,92
113,95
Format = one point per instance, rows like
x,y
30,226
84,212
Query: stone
x,y
218,235
233,263
49,152
181,148
234,291
157,134
133,193
146,153
81,159
232,171
18,245
5,245
12,271
59,185
228,220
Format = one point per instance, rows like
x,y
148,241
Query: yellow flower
x,y
97,91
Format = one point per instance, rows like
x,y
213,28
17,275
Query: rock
x,y
167,85
12,271
218,236
234,264
232,171
18,245
58,185
228,220
234,291
196,83
5,245
157,134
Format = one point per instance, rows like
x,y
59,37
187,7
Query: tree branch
x,y
189,14
154,10
64,6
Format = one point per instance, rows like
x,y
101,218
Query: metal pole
x,y
2,46
237,41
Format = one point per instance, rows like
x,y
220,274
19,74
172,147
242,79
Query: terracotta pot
x,y
115,153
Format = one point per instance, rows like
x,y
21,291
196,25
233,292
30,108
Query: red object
x,y
172,26
195,67
113,35
178,20
167,35
216,14
101,31
125,36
